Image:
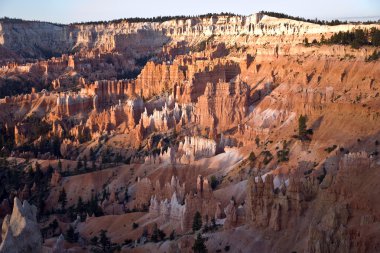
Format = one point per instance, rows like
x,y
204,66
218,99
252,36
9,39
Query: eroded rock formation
x,y
21,232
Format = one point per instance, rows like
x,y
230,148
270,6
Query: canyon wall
x,y
36,39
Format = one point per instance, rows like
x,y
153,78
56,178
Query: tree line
x,y
314,21
155,19
356,38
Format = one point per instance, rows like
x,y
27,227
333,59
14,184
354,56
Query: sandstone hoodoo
x,y
20,231
216,133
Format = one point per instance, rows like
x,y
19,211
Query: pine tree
x,y
154,236
80,205
79,164
59,165
71,236
105,242
375,37
302,126
252,156
85,162
172,235
257,141
306,41
38,174
62,199
199,245
197,222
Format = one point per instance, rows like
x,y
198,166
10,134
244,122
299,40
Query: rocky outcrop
x,y
266,207
180,209
144,191
21,232
231,215
194,148
70,104
59,245
222,105
330,234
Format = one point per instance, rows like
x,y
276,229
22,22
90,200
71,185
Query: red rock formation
x,y
222,105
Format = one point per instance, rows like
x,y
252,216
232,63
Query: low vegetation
x,y
155,19
199,245
356,38
373,57
330,149
314,21
283,154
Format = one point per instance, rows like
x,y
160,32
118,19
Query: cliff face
x,y
35,39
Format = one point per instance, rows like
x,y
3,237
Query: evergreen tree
x,y
154,236
252,157
257,141
79,164
80,205
214,182
85,162
92,154
199,245
62,199
375,37
172,235
197,222
94,240
302,127
105,242
323,39
126,196
59,165
38,174
50,170
71,236
161,234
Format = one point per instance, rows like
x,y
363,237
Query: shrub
x,y
257,141
214,182
267,156
302,126
330,149
252,157
283,155
373,57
